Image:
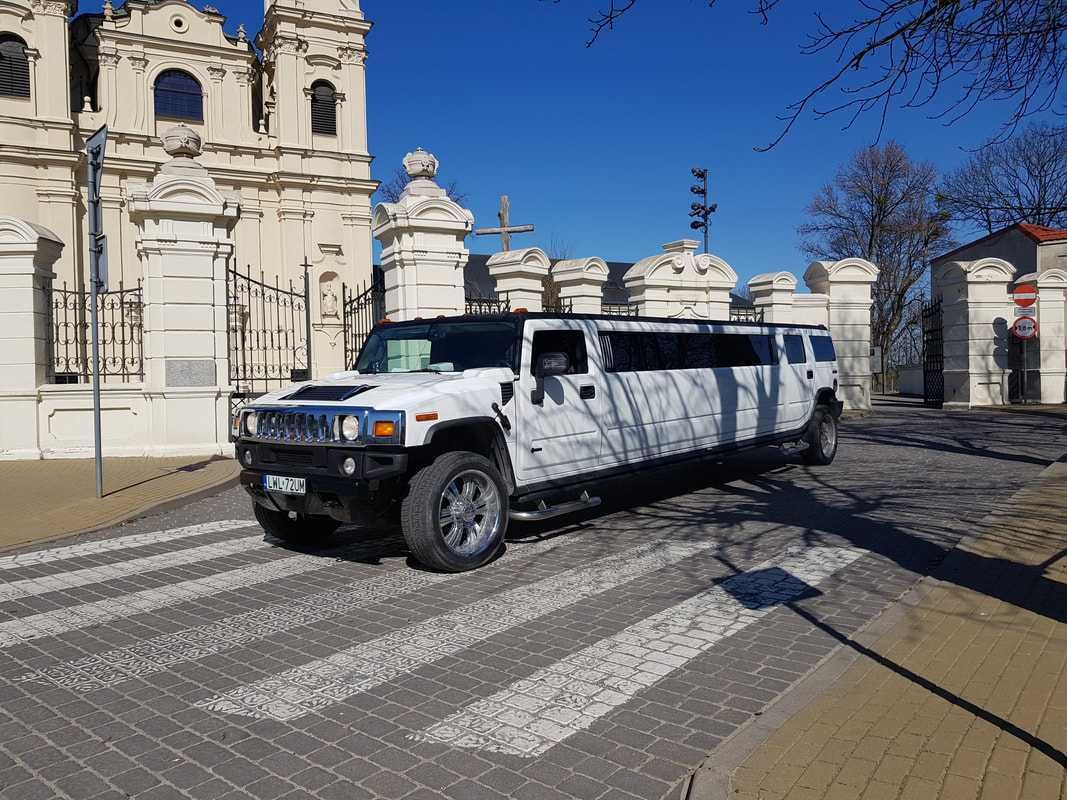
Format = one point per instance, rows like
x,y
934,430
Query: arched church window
x,y
14,67
179,96
323,108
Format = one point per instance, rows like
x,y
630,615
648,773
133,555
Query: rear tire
x,y
455,514
821,437
301,530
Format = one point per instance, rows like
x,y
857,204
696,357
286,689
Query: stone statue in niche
x,y
328,306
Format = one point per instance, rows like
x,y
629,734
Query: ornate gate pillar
x,y
975,313
1052,334
581,283
27,253
520,276
679,283
422,245
848,283
185,241
773,292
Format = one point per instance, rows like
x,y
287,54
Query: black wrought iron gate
x,y
360,311
268,333
933,354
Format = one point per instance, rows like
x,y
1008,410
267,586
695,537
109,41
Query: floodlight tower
x,y
701,210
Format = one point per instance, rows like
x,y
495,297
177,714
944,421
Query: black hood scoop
x,y
328,393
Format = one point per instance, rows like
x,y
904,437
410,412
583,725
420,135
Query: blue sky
x,y
594,146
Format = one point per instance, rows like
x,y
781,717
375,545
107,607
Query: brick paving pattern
x,y
965,697
121,671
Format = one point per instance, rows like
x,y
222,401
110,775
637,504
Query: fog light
x,y
248,458
349,466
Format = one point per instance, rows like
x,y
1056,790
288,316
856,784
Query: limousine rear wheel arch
x,y
455,513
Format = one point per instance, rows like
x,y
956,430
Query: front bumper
x,y
354,499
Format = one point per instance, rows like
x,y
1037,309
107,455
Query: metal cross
x,y
505,229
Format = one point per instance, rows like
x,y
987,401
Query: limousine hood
x,y
399,391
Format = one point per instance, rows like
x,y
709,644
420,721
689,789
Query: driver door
x,y
561,435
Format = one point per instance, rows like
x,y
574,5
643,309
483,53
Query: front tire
x,y
821,437
298,530
455,514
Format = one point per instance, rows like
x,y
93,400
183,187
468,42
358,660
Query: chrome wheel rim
x,y
827,435
469,512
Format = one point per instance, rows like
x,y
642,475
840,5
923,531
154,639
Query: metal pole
x,y
94,267
307,313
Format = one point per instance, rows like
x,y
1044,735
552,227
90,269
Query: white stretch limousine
x,y
467,422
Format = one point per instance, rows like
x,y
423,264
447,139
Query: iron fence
x,y
120,317
933,360
561,306
621,309
746,314
268,334
359,313
487,304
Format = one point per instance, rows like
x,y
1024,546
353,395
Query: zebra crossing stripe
x,y
532,715
98,546
59,581
331,680
159,653
63,620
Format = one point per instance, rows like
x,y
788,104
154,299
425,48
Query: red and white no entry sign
x,y
1025,295
1024,328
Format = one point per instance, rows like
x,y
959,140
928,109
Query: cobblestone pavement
x,y
601,656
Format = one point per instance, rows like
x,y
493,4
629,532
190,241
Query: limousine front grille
x,y
295,426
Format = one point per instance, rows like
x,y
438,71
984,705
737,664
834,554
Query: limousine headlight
x,y
350,428
251,423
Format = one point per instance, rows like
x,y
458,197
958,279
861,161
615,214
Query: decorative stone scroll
x,y
680,283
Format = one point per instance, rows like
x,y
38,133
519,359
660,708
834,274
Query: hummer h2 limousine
x,y
468,422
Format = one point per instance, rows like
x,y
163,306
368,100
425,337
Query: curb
x,y
143,510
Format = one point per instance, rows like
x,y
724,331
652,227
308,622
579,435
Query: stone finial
x,y
109,11
420,164
242,36
262,126
87,104
181,141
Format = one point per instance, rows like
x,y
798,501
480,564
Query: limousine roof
x,y
520,315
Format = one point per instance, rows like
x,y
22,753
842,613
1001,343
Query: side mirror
x,y
548,364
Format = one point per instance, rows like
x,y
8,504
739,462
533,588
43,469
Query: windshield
x,y
439,347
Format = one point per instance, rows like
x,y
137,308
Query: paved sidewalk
x,y
962,693
43,500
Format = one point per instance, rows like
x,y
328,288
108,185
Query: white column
x,y
1052,296
27,253
848,284
975,309
422,245
679,283
581,283
811,309
520,276
773,292
185,241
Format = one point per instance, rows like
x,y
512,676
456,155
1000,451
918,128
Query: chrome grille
x,y
297,426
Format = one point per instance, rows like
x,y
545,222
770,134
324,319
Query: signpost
x,y
1025,327
95,147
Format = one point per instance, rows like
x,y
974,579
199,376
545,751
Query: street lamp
x,y
701,211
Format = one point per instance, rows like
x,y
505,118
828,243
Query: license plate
x,y
285,485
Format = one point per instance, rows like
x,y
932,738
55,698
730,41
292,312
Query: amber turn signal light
x,y
384,429
428,417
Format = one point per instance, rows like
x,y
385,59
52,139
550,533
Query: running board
x,y
544,511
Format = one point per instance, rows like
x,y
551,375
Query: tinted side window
x,y
823,348
794,348
735,350
570,343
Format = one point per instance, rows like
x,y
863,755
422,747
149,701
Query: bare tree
x,y
1022,180
911,52
389,191
883,207
556,248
